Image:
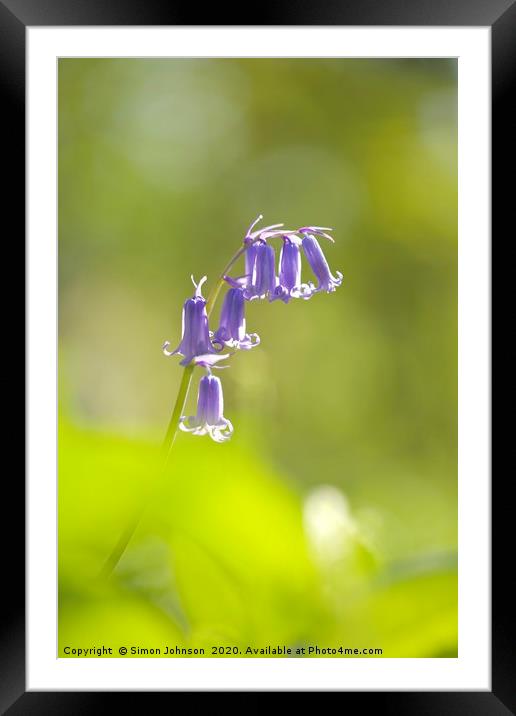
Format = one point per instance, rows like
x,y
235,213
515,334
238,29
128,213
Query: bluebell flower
x,y
200,347
209,419
260,277
232,328
289,279
259,280
315,257
195,339
263,276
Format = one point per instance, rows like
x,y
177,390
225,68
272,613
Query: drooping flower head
x,y
289,280
259,280
209,419
195,339
317,260
200,347
232,328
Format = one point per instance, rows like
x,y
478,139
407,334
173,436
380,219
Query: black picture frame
x,y
15,17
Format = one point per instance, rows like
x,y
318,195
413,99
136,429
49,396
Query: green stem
x,y
168,442
170,435
179,405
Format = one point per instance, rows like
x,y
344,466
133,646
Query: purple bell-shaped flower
x,y
289,279
209,419
263,276
195,339
260,272
232,328
317,260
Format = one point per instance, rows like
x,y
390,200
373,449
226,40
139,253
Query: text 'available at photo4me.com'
x,y
311,650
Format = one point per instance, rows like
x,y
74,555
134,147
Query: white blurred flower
x,y
330,527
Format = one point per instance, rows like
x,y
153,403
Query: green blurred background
x,y
330,518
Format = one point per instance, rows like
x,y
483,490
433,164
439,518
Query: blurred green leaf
x,y
223,557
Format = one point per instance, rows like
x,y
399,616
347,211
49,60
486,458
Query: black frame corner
x,y
500,15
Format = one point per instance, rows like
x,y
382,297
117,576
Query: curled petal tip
x,y
221,433
254,340
165,349
185,423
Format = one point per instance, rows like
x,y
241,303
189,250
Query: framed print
x,y
258,264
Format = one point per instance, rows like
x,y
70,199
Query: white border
x,y
471,670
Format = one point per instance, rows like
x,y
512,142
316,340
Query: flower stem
x,y
179,405
166,448
170,435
